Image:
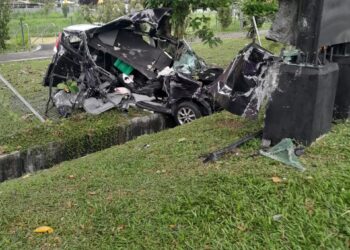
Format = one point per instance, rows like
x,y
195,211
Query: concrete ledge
x,y
40,157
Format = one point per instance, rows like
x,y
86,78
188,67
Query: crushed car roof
x,y
154,17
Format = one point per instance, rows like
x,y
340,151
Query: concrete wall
x,y
41,157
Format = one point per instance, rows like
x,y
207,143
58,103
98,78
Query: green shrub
x,y
65,9
225,16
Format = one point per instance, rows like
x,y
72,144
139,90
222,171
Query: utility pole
x,y
126,2
21,23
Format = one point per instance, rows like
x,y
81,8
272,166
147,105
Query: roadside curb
x,y
41,157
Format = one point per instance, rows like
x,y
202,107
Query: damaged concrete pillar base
x,y
302,106
341,56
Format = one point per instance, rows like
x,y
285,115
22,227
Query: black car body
x,y
138,52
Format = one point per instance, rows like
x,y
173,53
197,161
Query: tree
x,y
260,9
4,20
65,9
103,12
225,16
48,6
181,16
106,10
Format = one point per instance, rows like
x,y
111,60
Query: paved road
x,y
46,51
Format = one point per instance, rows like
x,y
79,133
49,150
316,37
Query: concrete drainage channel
x,y
18,163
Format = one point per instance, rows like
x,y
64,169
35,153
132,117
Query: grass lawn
x,y
161,196
223,54
39,25
19,130
215,25
155,193
42,25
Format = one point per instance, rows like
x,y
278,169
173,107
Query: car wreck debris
x,y
284,152
247,82
215,156
135,52
138,53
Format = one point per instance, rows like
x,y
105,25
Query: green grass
x,y
223,54
40,25
162,196
17,130
26,78
215,25
20,131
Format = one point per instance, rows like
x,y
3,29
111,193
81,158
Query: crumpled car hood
x,y
154,17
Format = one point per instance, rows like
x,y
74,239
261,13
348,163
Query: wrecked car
x,y
247,82
135,59
126,60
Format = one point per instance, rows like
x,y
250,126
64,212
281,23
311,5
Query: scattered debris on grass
x,y
215,156
276,179
44,229
277,217
284,152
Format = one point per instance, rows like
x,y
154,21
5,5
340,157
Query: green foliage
x,y
181,16
48,6
19,40
104,12
108,10
69,87
4,20
225,16
65,9
260,9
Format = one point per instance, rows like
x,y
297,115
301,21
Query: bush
x,y
261,10
225,16
48,6
65,9
102,13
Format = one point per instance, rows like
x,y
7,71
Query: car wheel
x,y
187,112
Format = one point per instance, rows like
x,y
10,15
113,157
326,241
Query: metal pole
x,y
29,39
21,22
257,30
27,104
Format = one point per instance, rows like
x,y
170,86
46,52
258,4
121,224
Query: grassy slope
x,y
18,131
162,196
26,78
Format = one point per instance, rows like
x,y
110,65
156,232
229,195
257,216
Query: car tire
x,y
187,112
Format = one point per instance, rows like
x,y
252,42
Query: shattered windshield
x,y
189,62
